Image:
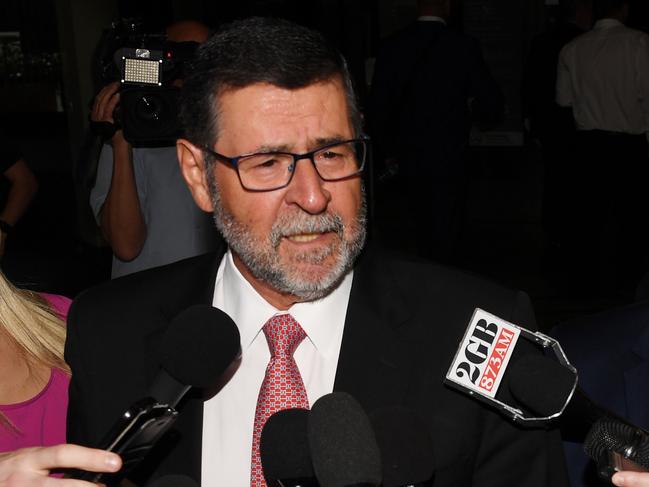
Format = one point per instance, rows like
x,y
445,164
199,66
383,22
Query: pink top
x,y
39,421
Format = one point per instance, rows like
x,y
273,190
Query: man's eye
x,y
330,154
266,163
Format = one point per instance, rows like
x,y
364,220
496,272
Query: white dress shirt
x,y
604,75
228,417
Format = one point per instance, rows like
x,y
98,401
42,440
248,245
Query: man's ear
x,y
192,167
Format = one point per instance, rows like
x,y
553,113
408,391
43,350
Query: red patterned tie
x,y
282,387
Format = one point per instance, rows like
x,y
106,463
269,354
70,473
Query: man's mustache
x,y
302,223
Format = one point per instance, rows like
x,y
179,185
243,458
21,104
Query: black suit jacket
x,y
404,322
611,353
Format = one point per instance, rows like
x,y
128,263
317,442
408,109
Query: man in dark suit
x,y
379,327
611,353
430,83
551,125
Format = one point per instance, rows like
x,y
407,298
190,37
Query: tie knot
x,y
283,334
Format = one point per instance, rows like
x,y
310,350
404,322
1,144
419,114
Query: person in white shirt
x,y
604,76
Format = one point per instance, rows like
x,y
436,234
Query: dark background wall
x,y
46,87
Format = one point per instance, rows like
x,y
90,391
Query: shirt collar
x,y
319,319
431,18
607,23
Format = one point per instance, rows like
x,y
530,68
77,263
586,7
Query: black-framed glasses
x,y
268,171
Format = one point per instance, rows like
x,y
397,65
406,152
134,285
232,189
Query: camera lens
x,y
150,116
150,107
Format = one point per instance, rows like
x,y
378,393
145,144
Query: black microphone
x,y
284,449
343,445
406,447
617,446
199,345
544,386
173,481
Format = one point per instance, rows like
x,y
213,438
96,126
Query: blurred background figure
x,y
430,82
17,191
611,353
603,76
140,199
34,377
551,125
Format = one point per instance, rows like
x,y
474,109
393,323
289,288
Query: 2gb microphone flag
x,y
482,358
483,354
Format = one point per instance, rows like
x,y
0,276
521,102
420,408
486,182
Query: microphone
x,y
481,364
199,345
406,447
343,446
173,481
284,449
617,446
545,386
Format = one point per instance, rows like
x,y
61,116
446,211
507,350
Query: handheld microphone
x,y
617,446
200,343
484,355
284,449
406,447
543,385
343,446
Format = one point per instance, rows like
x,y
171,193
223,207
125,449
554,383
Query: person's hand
x,y
30,467
102,113
631,479
105,103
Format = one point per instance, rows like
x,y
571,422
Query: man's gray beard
x,y
261,256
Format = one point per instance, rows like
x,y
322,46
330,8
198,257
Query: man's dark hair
x,y
256,50
606,8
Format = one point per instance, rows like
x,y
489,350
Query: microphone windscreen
x,y
540,384
173,481
609,434
284,446
343,445
406,446
201,342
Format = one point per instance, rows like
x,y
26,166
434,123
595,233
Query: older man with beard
x,y
273,147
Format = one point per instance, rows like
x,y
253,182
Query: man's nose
x,y
307,189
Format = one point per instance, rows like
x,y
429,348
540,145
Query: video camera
x,y
147,66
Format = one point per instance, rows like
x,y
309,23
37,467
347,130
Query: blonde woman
x,y
33,375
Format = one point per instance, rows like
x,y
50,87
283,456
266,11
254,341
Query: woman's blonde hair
x,y
30,322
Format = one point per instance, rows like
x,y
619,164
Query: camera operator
x,y
141,203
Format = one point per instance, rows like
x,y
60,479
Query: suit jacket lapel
x,y
374,358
